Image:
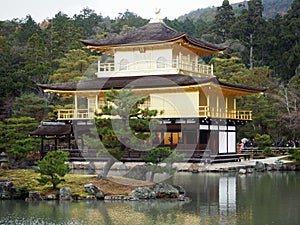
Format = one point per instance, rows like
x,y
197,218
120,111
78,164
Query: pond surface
x,y
258,198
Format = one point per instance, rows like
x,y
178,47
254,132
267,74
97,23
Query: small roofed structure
x,y
54,136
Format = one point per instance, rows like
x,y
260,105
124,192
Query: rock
x,y
242,171
34,196
259,166
164,190
143,193
269,167
249,170
180,189
117,198
50,197
291,167
138,172
94,190
182,198
65,193
7,189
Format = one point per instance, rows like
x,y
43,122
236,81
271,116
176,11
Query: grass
x,y
110,186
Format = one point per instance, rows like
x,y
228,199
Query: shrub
x,y
292,150
263,141
21,192
52,167
267,151
295,156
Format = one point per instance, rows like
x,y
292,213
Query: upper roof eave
x,y
98,84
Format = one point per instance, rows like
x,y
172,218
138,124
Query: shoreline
x,y
186,166
21,182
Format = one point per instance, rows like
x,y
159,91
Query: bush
x,y
267,151
52,167
21,192
295,156
292,150
263,141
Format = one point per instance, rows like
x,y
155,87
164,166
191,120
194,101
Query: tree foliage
x,y
32,53
53,167
123,125
161,154
16,141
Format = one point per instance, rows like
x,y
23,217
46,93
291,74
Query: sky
x,y
43,9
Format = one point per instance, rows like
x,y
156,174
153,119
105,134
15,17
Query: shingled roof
x,y
150,33
53,129
157,81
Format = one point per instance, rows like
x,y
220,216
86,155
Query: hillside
x,y
271,9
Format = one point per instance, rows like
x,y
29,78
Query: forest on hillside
x,y
261,52
271,9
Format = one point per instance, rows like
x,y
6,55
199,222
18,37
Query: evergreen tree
x,y
74,66
62,36
30,105
88,20
249,27
223,21
130,131
17,142
53,167
127,20
291,39
26,29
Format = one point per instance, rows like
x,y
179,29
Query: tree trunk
x,y
108,165
152,173
251,52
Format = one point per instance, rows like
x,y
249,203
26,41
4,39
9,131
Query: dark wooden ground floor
x,y
200,139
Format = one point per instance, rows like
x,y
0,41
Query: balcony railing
x,y
204,111
71,114
150,66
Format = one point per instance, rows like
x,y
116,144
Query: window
x,y
172,138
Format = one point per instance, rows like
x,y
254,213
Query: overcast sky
x,y
43,9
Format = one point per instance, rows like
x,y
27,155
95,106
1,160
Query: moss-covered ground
x,y
110,185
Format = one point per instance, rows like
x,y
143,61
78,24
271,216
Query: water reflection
x,y
260,198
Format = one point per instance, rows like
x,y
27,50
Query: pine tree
x,y
223,21
17,142
53,167
128,130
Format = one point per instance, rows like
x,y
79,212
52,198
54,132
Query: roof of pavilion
x,y
52,129
151,33
142,82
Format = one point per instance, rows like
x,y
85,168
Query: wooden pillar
x,y
96,103
55,143
75,106
69,141
42,147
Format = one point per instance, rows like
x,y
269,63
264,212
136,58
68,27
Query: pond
x,y
217,198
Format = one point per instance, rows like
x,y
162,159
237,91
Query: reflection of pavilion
x,y
227,197
215,196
